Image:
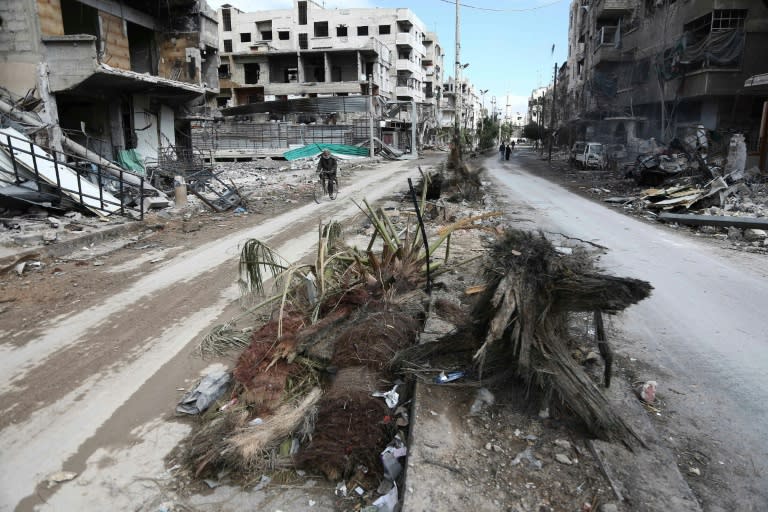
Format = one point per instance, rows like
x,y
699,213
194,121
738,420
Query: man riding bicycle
x,y
327,167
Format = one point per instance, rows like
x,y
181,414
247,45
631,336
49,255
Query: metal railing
x,y
14,146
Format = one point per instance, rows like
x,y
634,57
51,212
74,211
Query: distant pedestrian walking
x,y
501,152
507,151
513,145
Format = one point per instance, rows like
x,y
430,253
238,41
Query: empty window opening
x,y
303,41
224,71
226,20
284,35
252,70
245,37
291,75
143,50
79,18
266,35
302,13
385,29
321,29
221,101
362,30
341,31
228,45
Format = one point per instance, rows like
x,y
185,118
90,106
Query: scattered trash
x,y
527,455
388,502
263,482
391,397
255,421
563,459
562,443
449,377
483,398
694,471
341,489
647,391
211,483
210,389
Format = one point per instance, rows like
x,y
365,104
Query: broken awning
x,y
341,151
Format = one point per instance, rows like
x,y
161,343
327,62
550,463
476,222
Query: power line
x,y
503,10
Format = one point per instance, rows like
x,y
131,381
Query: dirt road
x,y
88,381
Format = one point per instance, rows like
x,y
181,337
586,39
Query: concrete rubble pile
x,y
693,187
315,388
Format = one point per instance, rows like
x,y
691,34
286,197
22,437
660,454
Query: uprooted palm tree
x,y
346,309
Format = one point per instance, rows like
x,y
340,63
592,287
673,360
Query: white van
x,y
588,155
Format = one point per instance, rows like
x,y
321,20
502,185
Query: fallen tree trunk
x,y
524,315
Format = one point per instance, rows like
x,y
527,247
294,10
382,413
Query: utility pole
x,y
552,120
457,82
370,112
482,114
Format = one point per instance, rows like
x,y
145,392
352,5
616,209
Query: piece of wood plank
x,y
715,220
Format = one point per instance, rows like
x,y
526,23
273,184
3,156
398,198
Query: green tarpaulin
x,y
338,150
129,159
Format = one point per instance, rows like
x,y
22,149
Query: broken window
x,y
302,13
143,50
362,30
245,37
252,70
385,29
266,35
284,35
321,29
221,101
341,31
713,40
303,41
728,19
224,71
291,75
228,45
226,20
79,18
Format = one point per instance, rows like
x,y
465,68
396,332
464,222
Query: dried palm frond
x,y
222,339
256,259
252,442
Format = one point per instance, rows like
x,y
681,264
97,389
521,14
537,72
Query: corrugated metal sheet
x,y
338,150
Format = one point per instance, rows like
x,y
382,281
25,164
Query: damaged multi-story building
x,y
107,75
303,74
662,68
310,51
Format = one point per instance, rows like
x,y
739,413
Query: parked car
x,y
588,155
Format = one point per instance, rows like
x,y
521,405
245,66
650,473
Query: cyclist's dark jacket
x,y
327,165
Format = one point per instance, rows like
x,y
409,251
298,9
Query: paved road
x,y
703,332
105,421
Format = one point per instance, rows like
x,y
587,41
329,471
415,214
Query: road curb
x,y
646,479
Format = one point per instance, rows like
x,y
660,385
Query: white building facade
x,y
311,51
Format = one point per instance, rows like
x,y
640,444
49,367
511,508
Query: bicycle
x,y
322,188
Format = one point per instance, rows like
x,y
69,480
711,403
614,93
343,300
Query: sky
x,y
507,43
